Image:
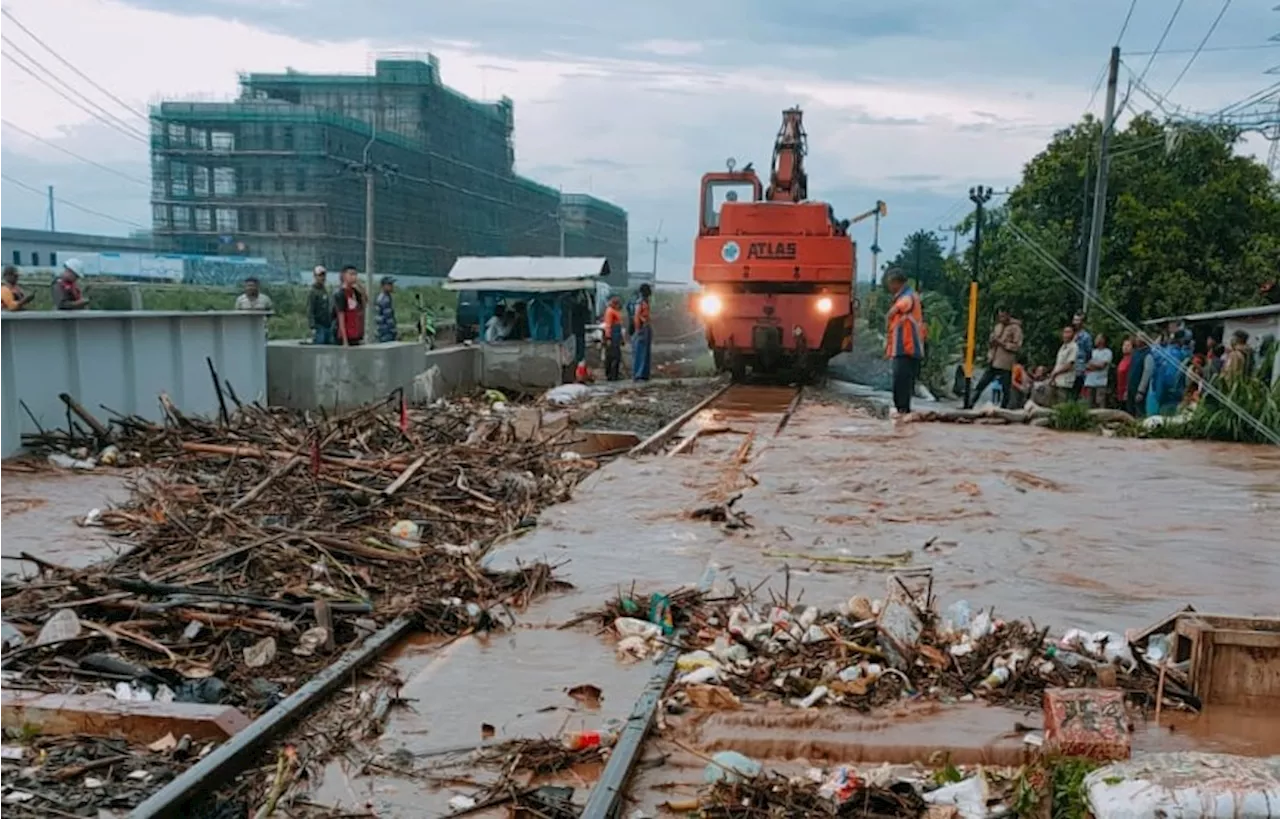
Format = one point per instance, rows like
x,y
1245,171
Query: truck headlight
x,y
710,305
824,304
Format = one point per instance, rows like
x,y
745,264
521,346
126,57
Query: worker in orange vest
x,y
613,338
904,342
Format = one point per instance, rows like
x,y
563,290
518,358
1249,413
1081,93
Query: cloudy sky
x,y
910,101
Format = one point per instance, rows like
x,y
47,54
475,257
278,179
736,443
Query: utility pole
x,y
979,196
954,230
875,245
560,224
1100,188
368,246
369,169
53,219
919,239
655,241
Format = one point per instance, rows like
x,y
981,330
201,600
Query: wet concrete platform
x,y
40,510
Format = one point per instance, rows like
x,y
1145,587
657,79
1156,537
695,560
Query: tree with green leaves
x,y
1191,226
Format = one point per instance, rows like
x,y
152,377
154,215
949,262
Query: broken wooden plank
x,y
99,715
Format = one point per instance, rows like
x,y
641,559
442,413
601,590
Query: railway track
x,y
753,403
758,406
754,410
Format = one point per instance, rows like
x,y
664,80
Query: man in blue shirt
x,y
1084,351
386,311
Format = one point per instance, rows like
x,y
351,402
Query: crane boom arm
x,y
788,181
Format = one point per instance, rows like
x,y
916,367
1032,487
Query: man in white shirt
x,y
252,298
1063,377
498,327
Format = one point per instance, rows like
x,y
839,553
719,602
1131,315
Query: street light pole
x,y
979,196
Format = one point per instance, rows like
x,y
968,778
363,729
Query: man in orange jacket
x,y
904,341
613,336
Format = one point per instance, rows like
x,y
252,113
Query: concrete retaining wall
x,y
525,366
124,360
307,376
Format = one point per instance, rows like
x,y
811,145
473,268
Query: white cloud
x,y
668,48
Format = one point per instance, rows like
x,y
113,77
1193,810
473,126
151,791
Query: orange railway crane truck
x,y
776,270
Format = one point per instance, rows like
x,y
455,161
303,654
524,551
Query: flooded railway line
x,y
1010,518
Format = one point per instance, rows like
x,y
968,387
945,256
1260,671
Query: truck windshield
x,y
725,191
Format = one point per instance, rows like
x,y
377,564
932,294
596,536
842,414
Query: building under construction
x,y
282,173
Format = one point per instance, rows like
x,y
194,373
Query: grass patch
x,y
1072,416
1215,420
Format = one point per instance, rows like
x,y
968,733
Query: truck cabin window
x,y
720,192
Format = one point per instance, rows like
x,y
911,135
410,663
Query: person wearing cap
x,y
386,311
320,317
11,292
253,298
66,290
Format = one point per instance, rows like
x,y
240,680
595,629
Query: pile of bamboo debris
x,y
266,541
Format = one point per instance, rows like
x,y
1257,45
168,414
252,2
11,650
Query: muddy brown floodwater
x,y
1072,530
40,511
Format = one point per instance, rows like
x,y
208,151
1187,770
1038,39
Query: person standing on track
x,y
613,339
642,336
904,341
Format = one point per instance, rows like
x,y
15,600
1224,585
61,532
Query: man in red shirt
x,y
66,291
348,306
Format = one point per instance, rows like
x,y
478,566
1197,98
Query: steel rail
x,y
228,759
660,437
607,793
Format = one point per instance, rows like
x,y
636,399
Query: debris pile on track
x,y
647,409
267,542
69,775
773,796
862,654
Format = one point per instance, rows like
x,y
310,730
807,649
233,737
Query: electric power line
x,y
1210,388
1212,26
44,194
74,155
110,122
1211,49
78,72
1125,26
1160,43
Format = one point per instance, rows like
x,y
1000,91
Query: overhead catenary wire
x,y
110,121
126,106
73,154
42,194
1212,27
1053,264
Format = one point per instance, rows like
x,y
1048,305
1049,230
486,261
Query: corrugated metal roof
x,y
527,272
1238,312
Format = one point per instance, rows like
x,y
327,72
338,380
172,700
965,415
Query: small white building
x,y
1261,323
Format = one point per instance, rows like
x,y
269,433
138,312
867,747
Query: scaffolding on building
x,y
271,175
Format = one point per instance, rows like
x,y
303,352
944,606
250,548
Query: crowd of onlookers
x,y
1143,377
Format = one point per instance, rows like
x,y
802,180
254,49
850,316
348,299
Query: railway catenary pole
x,y
979,195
